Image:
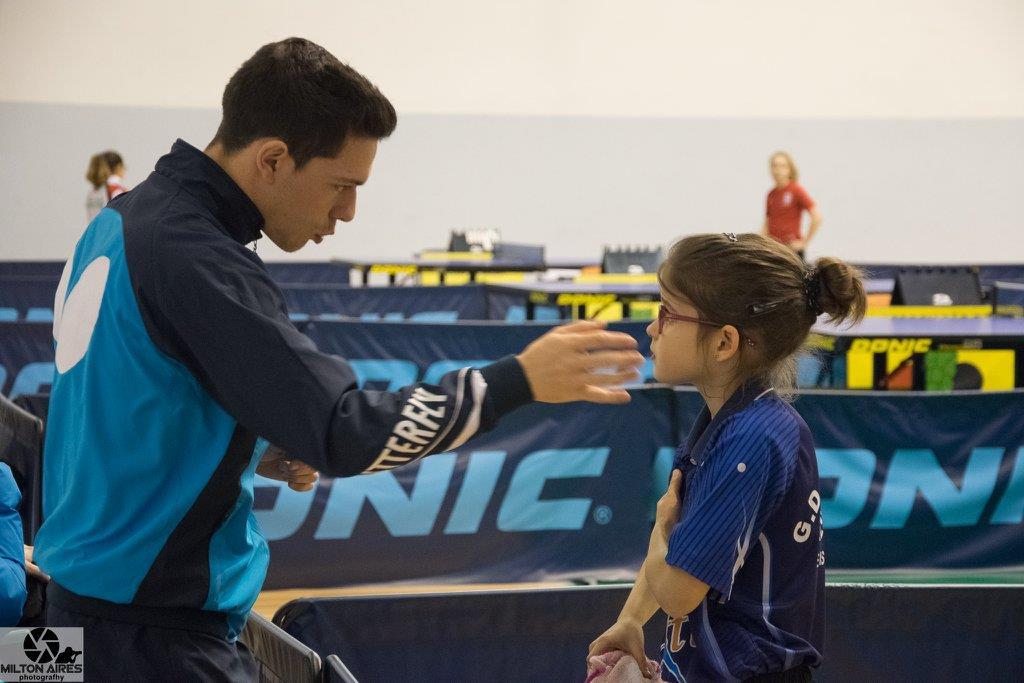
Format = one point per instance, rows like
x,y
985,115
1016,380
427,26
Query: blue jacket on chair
x,y
13,588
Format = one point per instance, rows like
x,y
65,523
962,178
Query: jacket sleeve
x,y
210,303
13,587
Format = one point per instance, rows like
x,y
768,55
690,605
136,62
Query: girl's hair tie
x,y
812,291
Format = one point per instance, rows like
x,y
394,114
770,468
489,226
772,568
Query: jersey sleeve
x,y
211,304
803,200
719,520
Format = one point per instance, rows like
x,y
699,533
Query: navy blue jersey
x,y
176,365
750,528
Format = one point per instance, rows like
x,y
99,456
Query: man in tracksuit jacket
x,y
177,366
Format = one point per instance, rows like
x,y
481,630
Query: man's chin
x,y
289,247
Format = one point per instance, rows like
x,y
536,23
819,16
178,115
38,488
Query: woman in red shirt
x,y
785,206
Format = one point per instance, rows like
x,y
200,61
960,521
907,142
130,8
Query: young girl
x,y
786,204
115,181
104,173
735,558
97,174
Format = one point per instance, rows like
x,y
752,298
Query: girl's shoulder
x,y
767,420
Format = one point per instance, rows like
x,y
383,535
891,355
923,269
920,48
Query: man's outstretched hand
x,y
581,361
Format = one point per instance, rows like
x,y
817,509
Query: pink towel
x,y
619,667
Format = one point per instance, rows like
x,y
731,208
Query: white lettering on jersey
x,y
409,437
802,530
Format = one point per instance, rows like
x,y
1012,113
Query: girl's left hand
x,y
668,507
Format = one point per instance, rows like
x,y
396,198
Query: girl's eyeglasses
x,y
665,314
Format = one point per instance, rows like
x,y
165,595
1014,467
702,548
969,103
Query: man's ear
x,y
272,158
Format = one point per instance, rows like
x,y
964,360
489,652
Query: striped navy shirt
x,y
750,528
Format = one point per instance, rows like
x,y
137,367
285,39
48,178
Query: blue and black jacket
x,y
176,365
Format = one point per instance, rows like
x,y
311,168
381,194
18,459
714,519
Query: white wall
x,y
703,58
573,123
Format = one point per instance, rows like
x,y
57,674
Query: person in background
x,y
106,175
786,204
97,175
115,181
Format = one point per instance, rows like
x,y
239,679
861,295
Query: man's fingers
x,y
581,326
601,339
581,361
601,395
614,359
298,475
614,378
295,466
33,570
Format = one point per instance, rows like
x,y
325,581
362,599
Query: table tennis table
x,y
411,267
578,294
928,327
934,354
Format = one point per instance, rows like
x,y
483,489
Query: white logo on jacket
x,y
74,318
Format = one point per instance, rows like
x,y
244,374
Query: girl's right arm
x,y
627,633
640,605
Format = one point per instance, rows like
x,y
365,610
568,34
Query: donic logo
x,y
914,474
416,513
881,494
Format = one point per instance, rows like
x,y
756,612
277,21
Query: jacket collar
x,y
204,179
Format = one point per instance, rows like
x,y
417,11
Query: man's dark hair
x,y
299,92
